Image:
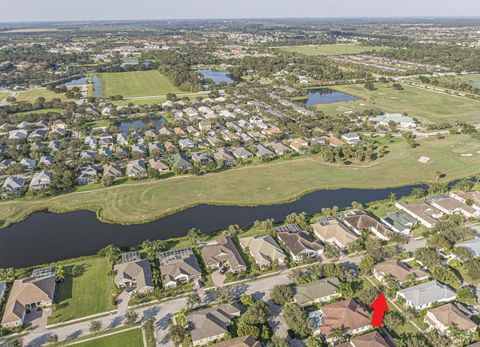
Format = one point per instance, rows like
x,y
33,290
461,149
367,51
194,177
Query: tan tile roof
x,y
297,242
223,250
398,270
139,270
263,249
371,339
346,315
334,229
174,266
449,314
27,291
360,220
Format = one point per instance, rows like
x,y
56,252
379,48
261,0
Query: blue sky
x,y
44,10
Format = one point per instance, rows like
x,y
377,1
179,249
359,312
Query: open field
x,y
425,105
42,111
86,290
32,95
270,183
131,338
3,95
136,83
337,49
468,78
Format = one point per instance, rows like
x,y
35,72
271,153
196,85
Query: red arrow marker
x,y
379,306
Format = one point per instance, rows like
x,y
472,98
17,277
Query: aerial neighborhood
x,y
239,182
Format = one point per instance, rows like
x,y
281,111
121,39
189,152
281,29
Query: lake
x,y
327,96
476,84
217,76
142,123
146,63
47,237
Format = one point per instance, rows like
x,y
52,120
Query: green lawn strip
x,y
270,183
86,290
136,83
425,105
34,94
120,338
325,50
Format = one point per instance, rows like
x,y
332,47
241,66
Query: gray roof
x,y
307,293
472,245
179,262
211,322
400,220
427,293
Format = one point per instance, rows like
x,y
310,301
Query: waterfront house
x,y
134,272
359,220
179,266
222,254
136,169
332,231
264,250
40,180
424,213
298,242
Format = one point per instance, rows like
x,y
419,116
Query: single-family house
x,y
159,165
264,152
449,205
298,145
27,295
332,231
211,324
470,198
222,254
360,220
87,175
40,180
299,243
179,266
473,246
201,158
181,162
264,250
241,153
371,339
13,185
424,213
134,272
397,269
280,149
351,138
322,290
443,317
404,122
112,170
224,156
399,221
136,169
426,294
347,315
28,164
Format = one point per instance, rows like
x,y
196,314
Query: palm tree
x,y
338,335
194,236
60,273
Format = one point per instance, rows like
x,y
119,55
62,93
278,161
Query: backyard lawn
x,y
86,290
427,106
138,202
336,49
131,338
136,83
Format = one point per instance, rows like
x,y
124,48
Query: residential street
x,y
163,312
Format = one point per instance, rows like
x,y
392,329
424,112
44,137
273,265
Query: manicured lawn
x,y
425,105
131,338
42,111
87,290
136,83
336,49
34,94
469,78
280,181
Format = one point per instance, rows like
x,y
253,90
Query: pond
x,y
217,76
142,123
97,85
327,96
47,237
76,82
476,84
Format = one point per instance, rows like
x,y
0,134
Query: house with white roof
x,y
41,180
473,246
